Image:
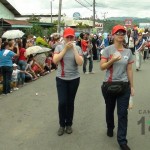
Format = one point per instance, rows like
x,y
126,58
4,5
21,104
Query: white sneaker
x,y
38,75
92,72
15,89
88,56
86,72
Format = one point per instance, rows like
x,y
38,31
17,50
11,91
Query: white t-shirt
x,y
15,74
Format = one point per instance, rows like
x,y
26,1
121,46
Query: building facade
x,y
5,13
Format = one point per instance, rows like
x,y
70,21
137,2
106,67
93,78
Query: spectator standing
x,y
94,49
22,62
139,48
86,46
7,66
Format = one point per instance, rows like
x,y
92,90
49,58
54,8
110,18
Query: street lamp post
x,y
51,10
59,16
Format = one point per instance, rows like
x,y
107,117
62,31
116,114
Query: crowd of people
x,y
16,67
93,45
116,55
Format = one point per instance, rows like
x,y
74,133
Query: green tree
x,y
82,26
35,30
108,24
61,23
52,30
33,18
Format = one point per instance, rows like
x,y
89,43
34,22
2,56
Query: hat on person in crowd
x,y
69,32
15,65
56,36
100,34
117,28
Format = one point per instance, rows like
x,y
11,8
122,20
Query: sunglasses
x,y
70,37
120,33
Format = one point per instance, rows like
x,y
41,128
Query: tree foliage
x,y
33,18
35,30
82,26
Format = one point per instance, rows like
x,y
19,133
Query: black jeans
x,y
7,73
122,112
67,90
85,63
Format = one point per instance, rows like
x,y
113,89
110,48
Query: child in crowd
x,y
35,66
15,76
48,63
30,71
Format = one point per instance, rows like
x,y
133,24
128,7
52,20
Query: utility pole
x,y
51,10
59,16
93,13
104,15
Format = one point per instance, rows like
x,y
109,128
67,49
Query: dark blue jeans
x,y
7,73
122,112
22,65
85,63
66,96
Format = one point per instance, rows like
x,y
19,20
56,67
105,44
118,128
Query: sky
x,y
111,8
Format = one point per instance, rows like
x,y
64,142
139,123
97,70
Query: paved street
x,y
30,122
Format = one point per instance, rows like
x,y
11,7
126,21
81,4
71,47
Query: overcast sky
x,y
112,8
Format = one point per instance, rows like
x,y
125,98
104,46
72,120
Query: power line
x,y
99,5
83,5
88,3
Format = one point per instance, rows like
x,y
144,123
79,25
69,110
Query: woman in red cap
x,y
118,84
68,56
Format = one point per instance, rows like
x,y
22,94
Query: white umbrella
x,y
40,58
44,49
33,50
13,34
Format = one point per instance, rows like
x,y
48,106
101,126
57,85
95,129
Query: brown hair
x,y
3,46
20,44
10,43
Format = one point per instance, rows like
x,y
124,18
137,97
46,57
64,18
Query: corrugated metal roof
x,y
17,22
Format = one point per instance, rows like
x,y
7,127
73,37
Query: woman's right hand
x,y
116,57
69,45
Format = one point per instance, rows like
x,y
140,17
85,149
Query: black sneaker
x,y
68,129
110,133
60,131
125,147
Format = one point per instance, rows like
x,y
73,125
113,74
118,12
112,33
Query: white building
x,y
144,25
7,17
7,11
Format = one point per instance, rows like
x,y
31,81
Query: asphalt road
x,y
30,122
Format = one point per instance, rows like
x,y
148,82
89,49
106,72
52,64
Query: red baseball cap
x,y
117,28
69,32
